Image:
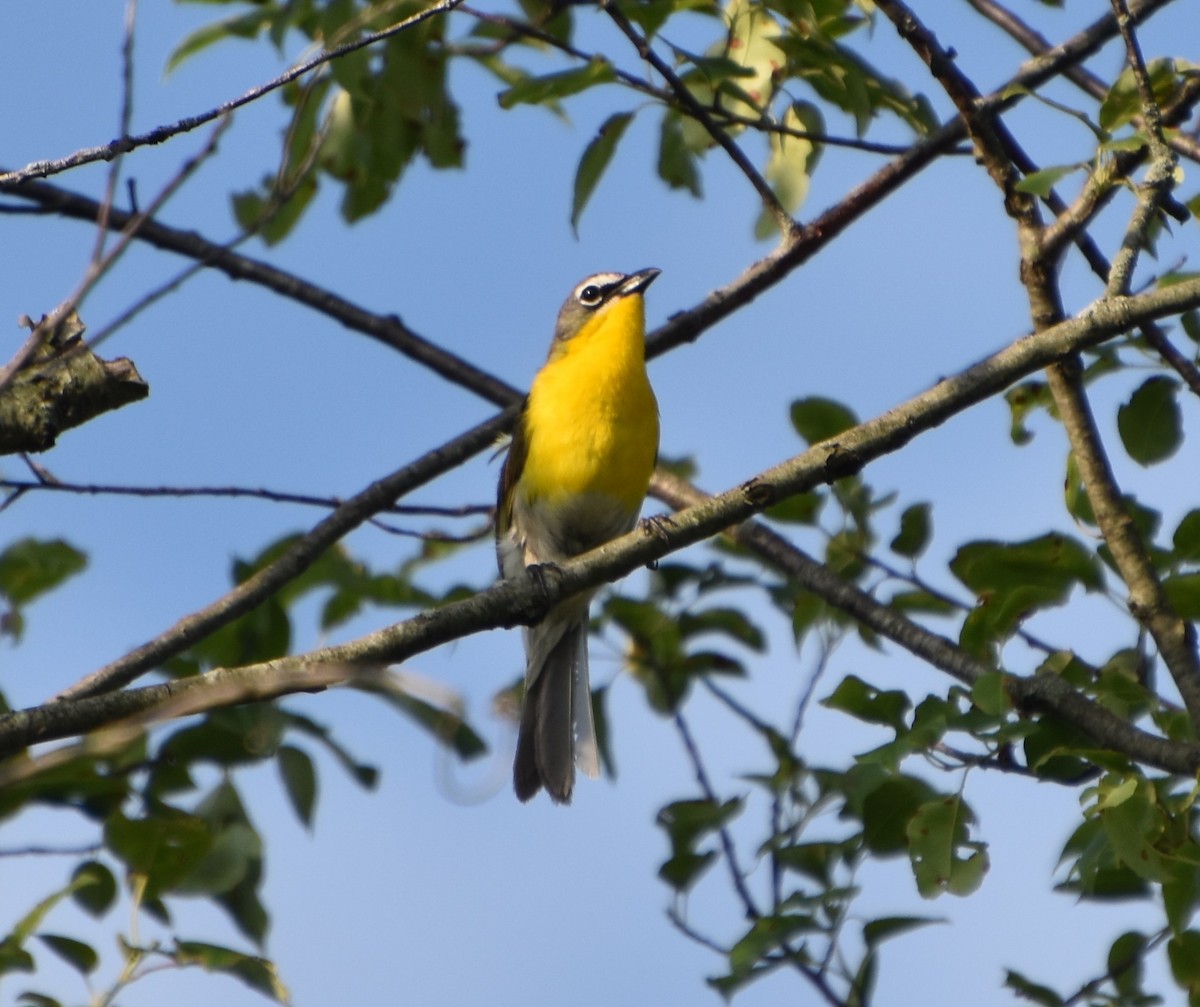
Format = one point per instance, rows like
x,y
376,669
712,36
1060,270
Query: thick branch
x,y
57,383
525,600
685,327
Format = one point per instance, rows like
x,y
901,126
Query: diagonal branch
x,y
1036,692
250,593
684,327
525,600
1159,179
389,330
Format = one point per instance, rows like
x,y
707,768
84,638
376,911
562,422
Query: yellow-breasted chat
x,y
582,453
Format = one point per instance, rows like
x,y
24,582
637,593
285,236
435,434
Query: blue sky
x,y
439,887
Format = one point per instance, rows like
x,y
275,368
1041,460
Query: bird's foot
x,y
658,525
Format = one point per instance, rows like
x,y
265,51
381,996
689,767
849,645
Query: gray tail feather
x,y
557,704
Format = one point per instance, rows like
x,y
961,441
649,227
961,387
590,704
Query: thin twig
x,y
729,851
125,119
124,144
1159,179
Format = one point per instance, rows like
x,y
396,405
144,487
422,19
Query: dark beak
x,y
636,283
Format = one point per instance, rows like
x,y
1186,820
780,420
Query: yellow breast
x,y
592,420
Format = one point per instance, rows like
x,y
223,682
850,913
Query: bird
x,y
583,449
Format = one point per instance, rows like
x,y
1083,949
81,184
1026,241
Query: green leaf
x,y
676,160
365,775
804,508
595,162
300,781
915,531
31,567
1187,538
818,419
841,77
1011,581
429,706
30,999
875,932
93,887
730,622
1124,101
78,955
1183,951
235,851
886,811
764,936
990,695
814,860
752,45
1132,822
263,211
13,956
1181,895
791,163
164,849
1125,963
1031,991
686,822
684,869
875,706
549,89
1150,423
257,973
1024,399
1190,320
1183,592
1040,183
246,25
1053,750
937,836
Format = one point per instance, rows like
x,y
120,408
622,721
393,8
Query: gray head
x,y
594,294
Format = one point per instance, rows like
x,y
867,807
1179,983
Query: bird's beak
x,y
636,283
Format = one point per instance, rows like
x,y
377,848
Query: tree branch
x,y
1080,76
376,497
1174,637
389,330
63,385
124,144
783,219
1044,692
525,600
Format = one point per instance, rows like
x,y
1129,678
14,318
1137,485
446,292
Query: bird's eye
x,y
590,296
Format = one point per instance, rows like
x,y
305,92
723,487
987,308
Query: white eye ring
x,y
590,296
